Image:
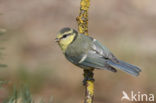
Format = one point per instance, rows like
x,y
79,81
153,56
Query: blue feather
x,y
131,69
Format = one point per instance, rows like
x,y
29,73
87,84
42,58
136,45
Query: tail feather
x,y
131,66
131,69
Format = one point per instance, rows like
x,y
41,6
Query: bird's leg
x,y
88,76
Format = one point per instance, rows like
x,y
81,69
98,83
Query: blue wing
x,y
101,57
92,54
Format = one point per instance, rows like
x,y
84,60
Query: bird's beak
x,y
57,39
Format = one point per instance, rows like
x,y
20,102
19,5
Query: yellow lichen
x,y
82,21
85,4
90,87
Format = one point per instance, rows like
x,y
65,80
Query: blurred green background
x,y
126,27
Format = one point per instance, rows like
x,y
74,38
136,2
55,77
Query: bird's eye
x,y
64,36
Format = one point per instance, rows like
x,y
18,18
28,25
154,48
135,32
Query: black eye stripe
x,y
65,35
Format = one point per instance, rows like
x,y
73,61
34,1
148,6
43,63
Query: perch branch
x,y
82,21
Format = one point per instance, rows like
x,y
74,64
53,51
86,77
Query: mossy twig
x,y
89,86
82,21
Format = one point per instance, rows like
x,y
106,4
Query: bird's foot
x,y
87,79
88,76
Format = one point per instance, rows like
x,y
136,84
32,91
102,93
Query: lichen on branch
x,y
82,21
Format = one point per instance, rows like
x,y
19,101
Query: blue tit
x,y
87,53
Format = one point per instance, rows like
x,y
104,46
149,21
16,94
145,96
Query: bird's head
x,y
65,37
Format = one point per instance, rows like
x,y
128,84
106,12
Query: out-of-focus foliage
x,y
2,83
2,31
22,96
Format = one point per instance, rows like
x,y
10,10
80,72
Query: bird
x,y
88,53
